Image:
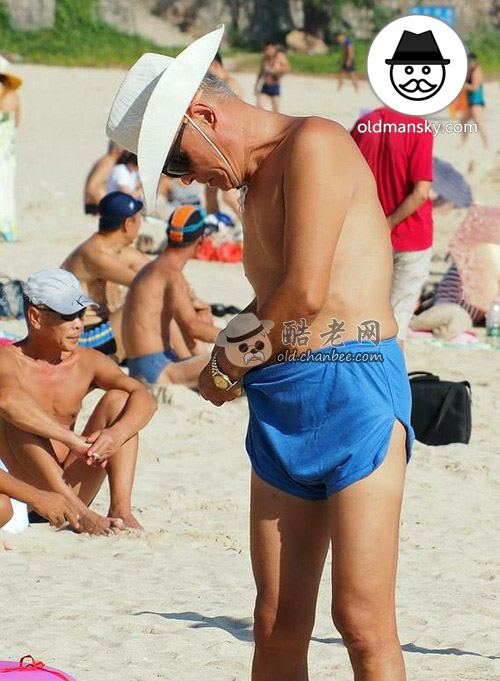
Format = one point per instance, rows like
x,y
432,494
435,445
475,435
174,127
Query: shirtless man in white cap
x,y
44,379
329,440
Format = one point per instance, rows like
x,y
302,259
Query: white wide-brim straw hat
x,y
13,81
149,106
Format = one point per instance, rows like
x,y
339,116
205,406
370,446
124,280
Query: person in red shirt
x,y
398,149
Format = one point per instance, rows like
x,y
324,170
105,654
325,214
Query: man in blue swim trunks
x,y
348,67
329,441
165,327
273,67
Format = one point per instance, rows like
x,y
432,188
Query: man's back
x,y
146,312
81,263
399,153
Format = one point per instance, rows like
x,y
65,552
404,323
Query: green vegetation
x,y
78,38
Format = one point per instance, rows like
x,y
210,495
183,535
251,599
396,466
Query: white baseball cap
x,y
150,104
57,289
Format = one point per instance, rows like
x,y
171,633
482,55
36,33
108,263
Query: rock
x,y
31,15
305,43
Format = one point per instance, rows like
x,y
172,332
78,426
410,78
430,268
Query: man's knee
x,y
279,632
114,402
6,511
364,628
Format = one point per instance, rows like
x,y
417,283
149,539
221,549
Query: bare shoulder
x,y
321,136
8,355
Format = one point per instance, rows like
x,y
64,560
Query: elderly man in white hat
x,y
328,440
44,379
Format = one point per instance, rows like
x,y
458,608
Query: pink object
x,y
29,669
465,338
6,341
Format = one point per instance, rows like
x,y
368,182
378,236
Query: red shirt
x,y
398,160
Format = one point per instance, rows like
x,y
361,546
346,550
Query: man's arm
x,y
413,201
137,412
22,411
314,214
189,322
55,507
104,266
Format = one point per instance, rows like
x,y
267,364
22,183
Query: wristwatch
x,y
221,380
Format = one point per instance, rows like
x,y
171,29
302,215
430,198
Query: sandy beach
x,y
176,603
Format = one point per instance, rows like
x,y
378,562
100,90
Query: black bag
x,y
441,411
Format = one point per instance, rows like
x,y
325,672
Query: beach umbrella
x,y
449,184
475,248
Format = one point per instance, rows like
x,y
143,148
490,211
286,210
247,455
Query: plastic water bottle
x,y
493,323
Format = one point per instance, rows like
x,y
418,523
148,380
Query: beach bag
x,y
11,298
29,669
441,410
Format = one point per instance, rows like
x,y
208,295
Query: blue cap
x,y
116,207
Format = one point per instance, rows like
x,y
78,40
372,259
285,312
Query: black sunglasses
x,y
64,317
177,161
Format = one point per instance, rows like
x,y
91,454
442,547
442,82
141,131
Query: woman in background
x,y
474,85
9,120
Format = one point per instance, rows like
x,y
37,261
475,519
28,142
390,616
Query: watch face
x,y
220,382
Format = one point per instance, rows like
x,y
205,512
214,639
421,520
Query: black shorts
x,y
349,67
91,209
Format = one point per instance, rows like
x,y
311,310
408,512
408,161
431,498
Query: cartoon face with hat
x,y
417,67
245,340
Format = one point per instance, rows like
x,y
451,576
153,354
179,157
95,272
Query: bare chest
x,y
58,390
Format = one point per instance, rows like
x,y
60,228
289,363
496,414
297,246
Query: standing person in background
x,y
402,165
97,179
475,100
125,176
218,69
348,64
274,65
10,110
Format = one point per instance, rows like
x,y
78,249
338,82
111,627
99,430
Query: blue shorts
x,y
150,367
271,90
317,427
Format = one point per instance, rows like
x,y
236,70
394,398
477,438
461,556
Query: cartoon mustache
x,y
250,356
413,85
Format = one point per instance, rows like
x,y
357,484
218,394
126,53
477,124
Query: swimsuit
x,y
316,427
91,209
476,97
271,90
150,367
99,337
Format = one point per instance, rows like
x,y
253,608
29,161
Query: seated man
x,y
44,379
97,179
107,257
160,294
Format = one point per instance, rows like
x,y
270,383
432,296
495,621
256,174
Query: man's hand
x,y
57,509
103,444
211,393
77,444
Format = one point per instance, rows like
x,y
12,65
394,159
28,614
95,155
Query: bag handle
x,y
423,373
33,664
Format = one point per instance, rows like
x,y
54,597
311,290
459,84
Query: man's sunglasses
x,y
177,161
64,317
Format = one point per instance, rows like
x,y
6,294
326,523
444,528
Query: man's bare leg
x,y
341,80
354,80
289,539
185,373
34,460
6,511
261,101
120,467
275,101
365,529
477,115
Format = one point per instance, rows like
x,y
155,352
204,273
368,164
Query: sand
x,y
176,603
